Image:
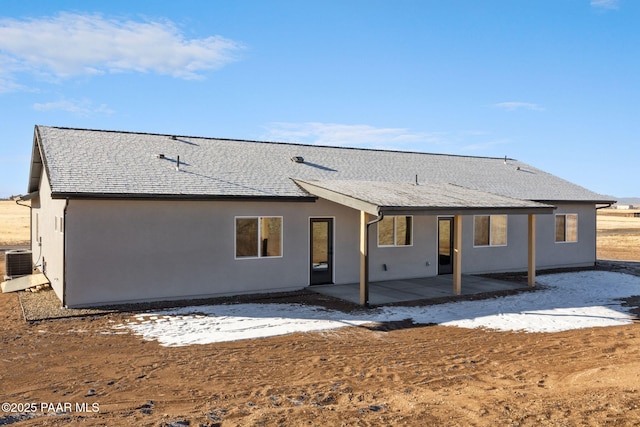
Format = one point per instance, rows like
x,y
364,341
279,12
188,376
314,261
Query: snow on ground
x,y
566,301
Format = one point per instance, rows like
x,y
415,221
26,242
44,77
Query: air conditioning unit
x,y
18,263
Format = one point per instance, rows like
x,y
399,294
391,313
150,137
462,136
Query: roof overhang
x,y
37,164
30,196
392,198
587,202
186,197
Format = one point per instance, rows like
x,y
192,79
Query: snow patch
x,y
566,301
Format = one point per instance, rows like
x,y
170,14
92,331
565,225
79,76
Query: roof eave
x,y
584,201
37,163
470,210
192,197
374,209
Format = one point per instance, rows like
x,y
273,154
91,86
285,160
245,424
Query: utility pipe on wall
x,y
364,257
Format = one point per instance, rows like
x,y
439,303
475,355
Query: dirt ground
x,y
407,375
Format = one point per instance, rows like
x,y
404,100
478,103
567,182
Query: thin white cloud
x,y
349,135
72,44
606,4
481,146
81,108
513,105
8,85
366,136
8,67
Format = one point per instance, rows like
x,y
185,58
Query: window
x,y
258,237
490,230
567,228
395,231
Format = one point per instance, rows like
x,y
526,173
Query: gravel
x,y
45,305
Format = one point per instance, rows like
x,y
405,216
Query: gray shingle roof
x,y
92,162
390,197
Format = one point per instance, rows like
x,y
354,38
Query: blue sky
x,y
553,83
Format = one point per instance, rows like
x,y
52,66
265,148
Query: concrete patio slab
x,y
395,291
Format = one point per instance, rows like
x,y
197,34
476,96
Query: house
x,y
125,217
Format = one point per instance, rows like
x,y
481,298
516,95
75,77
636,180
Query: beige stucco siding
x,y
403,262
47,238
127,251
489,259
549,253
552,254
420,259
146,250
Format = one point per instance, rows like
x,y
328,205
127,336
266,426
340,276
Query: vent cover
x,y
18,263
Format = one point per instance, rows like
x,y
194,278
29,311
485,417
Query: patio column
x,y
531,272
364,259
457,255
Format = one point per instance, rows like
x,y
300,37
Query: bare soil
x,y
399,375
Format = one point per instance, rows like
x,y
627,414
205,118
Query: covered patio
x,y
426,288
376,199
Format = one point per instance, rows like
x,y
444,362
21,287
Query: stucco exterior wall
x,y
420,259
490,259
147,250
47,238
403,262
126,251
552,254
549,253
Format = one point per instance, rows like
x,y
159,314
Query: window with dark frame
x,y
490,230
395,231
566,228
258,237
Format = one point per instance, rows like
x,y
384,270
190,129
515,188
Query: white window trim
x,y
258,217
394,233
565,228
506,231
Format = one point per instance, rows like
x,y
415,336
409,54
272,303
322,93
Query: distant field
x,y
14,228
618,236
15,224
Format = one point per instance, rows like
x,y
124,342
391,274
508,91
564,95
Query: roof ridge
x,y
297,144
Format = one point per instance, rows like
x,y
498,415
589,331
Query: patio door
x,y
321,253
445,245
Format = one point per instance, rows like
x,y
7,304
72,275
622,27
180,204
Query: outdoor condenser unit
x,y
18,263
